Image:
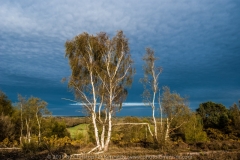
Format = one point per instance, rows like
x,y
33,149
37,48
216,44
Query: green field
x,y
79,131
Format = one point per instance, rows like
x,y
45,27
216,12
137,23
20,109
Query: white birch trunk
x,y
102,135
167,131
153,115
39,127
94,109
161,123
109,130
28,135
160,108
95,129
21,134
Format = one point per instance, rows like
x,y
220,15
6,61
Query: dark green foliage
x,y
234,126
214,115
51,126
5,105
234,114
31,147
215,119
16,120
219,122
6,128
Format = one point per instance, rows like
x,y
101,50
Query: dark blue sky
x,y
198,43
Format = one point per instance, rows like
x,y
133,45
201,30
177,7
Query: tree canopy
x,y
5,105
214,115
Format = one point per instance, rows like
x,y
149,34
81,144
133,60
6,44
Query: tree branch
x,y
135,124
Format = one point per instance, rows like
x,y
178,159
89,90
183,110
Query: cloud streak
x,y
127,104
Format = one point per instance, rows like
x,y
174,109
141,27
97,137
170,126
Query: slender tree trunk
x,y
167,131
160,109
103,123
28,135
95,130
154,119
21,130
161,123
109,114
109,130
94,109
102,135
27,130
39,127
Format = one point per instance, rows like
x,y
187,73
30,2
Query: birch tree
x,y
6,107
101,71
27,118
116,75
21,102
175,109
150,82
39,108
84,54
32,111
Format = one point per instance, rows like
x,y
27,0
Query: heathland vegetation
x,y
212,127
102,71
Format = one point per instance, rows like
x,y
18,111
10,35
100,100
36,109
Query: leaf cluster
x,y
99,65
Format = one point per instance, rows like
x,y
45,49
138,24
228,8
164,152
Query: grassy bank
x,y
78,131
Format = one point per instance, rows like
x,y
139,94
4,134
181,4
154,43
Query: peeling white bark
x,y
167,130
39,126
153,116
109,131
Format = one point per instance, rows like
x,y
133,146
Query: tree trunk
x,y
28,135
160,109
21,127
109,130
39,127
154,119
95,129
161,123
167,131
102,135
94,109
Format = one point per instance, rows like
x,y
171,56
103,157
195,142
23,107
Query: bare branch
x,y
119,79
94,149
135,124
